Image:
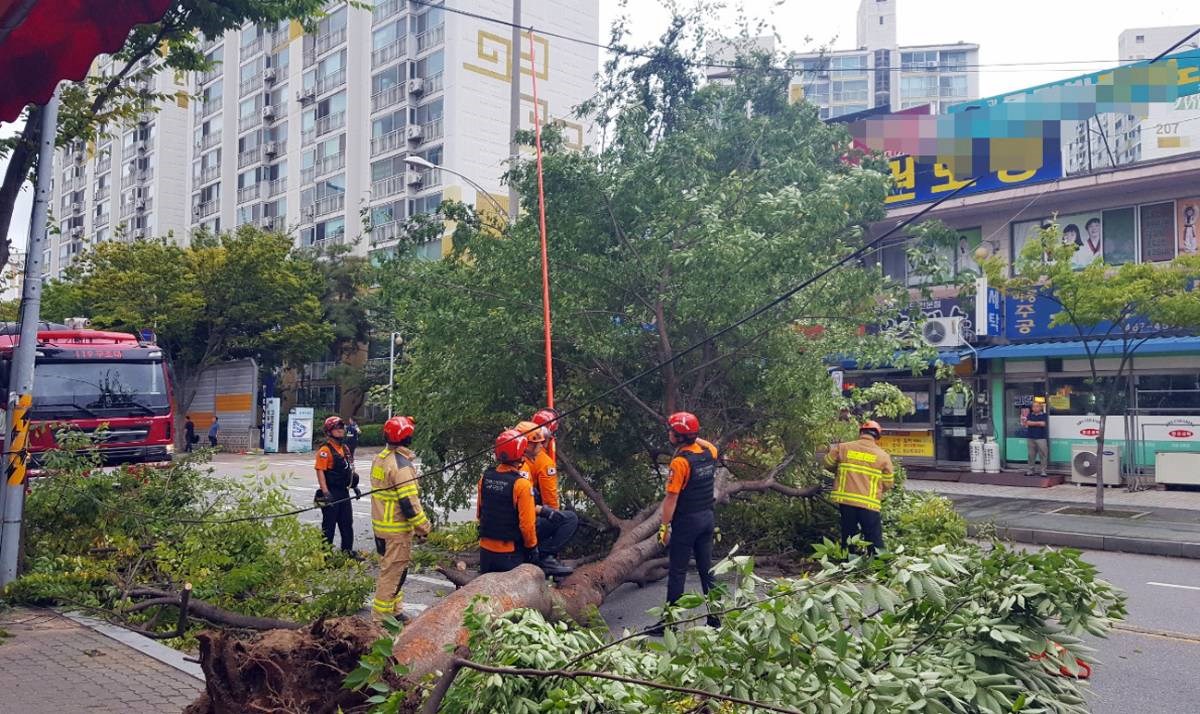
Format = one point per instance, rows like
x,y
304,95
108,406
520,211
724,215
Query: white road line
x,y
431,581
1172,585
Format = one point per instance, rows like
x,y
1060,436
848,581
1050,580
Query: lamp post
x,y
424,164
396,339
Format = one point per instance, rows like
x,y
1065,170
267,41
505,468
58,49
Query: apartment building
x,y
126,185
311,133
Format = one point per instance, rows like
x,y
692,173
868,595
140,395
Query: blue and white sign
x,y
270,425
989,316
300,430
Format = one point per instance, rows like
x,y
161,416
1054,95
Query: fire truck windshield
x,y
99,389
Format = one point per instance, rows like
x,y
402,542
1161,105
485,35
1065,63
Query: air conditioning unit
x,y
1177,467
77,232
1085,465
145,118
269,74
139,234
266,222
196,210
416,85
414,132
306,95
142,147
268,112
412,178
308,211
270,148
140,204
943,332
76,208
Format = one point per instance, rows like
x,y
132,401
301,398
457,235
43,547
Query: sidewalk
x,y
1162,522
52,664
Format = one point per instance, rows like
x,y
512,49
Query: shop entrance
x,y
953,422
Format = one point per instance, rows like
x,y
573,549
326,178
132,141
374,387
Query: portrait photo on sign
x,y
1187,220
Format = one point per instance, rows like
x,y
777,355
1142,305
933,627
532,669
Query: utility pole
x,y
514,118
20,393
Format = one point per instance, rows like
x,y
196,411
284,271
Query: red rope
x,y
537,127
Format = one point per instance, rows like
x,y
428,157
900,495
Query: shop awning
x,y
947,357
45,41
1037,350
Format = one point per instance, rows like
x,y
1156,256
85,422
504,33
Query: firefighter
x,y
548,418
396,514
863,473
335,477
506,510
687,511
554,526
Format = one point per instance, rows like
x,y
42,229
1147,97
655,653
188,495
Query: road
x,y
1148,665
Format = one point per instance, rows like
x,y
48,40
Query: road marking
x,y
429,580
1165,634
1172,585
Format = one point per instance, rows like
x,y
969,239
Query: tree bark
x,y
20,162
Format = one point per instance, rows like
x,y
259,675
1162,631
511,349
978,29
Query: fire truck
x,y
94,381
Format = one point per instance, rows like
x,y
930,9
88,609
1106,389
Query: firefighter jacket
x,y
505,509
395,504
863,473
693,477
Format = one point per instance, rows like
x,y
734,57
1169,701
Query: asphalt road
x,y
1149,665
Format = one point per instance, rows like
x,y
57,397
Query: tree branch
x,y
590,491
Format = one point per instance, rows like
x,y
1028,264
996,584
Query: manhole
x,y
1107,513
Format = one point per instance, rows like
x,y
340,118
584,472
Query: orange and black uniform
x,y
334,459
555,527
507,517
693,477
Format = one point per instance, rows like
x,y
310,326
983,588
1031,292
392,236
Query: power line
x,y
1176,46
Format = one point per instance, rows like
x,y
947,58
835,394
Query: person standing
x,y
1037,441
396,515
506,510
688,520
214,431
863,474
352,434
189,433
554,526
335,477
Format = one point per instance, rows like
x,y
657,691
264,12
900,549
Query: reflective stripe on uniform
x,y
388,606
848,493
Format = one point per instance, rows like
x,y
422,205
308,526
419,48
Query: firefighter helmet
x,y
684,423
872,426
334,422
546,417
398,428
510,446
535,433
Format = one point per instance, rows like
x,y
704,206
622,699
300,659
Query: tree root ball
x,y
284,670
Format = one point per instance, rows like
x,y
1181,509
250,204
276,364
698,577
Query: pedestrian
x,y
688,521
189,433
396,515
863,473
214,431
1037,442
352,434
335,477
554,526
506,510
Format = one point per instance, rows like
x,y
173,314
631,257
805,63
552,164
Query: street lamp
x,y
424,164
396,339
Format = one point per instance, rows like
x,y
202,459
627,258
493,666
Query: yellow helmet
x,y
534,433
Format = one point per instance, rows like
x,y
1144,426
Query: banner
x,y
908,443
270,425
300,430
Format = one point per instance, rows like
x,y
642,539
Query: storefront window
x,y
1017,398
1168,392
1075,396
1119,236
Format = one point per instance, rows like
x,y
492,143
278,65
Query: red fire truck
x,y
88,379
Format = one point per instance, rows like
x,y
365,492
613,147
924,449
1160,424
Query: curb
x,y
1092,541
145,645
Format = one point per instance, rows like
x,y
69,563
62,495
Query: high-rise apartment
x,y
309,133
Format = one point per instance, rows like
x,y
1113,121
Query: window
x,y
1119,236
846,66
387,213
386,35
1157,223
1169,392
434,18
332,230
954,61
894,262
388,123
387,79
919,86
919,61
1075,396
386,168
1140,39
425,204
953,86
852,91
251,69
431,65
428,112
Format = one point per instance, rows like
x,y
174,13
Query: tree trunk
x,y
1100,466
20,161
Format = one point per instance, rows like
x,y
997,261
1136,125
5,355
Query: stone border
x,y
1092,541
155,650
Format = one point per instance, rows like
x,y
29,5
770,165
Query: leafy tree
x,y
1113,310
100,104
243,294
345,280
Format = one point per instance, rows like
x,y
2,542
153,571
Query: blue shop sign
x,y
1028,318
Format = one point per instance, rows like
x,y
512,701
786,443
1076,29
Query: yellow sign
x,y
908,443
18,451
1060,402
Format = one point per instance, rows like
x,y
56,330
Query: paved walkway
x,y
1164,522
50,664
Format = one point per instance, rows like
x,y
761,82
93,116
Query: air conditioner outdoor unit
x,y
77,323
77,208
196,210
416,85
139,234
306,95
270,148
267,222
414,132
77,232
1085,465
308,211
943,332
412,178
1177,467
268,112
145,118
140,204
269,74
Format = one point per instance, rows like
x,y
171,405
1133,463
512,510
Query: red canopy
x,y
45,41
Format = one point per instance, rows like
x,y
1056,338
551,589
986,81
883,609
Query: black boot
x,y
552,567
657,631
713,621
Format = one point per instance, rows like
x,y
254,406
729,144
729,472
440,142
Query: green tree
x,y
243,294
98,105
1113,310
345,281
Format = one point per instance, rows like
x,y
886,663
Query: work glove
x,y
664,534
357,493
354,480
533,555
320,499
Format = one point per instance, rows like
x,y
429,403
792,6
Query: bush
x,y
921,520
370,435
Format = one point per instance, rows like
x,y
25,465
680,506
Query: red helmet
x,y
398,428
510,446
334,422
684,423
546,417
871,425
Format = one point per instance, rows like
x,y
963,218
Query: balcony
x,y
388,53
431,178
254,47
247,123
104,164
434,83
430,38
76,184
329,204
330,123
390,186
280,39
208,141
249,156
249,85
385,232
206,209
102,193
100,219
388,142
384,10
329,164
386,98
127,209
432,130
208,174
332,82
204,78
146,175
208,108
323,44
210,42
277,187
248,193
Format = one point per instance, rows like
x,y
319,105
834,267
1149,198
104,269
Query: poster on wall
x,y
908,443
1189,215
969,241
1157,222
1083,230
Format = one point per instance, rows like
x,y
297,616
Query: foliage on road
x,y
96,537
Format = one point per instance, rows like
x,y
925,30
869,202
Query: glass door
x,y
952,426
